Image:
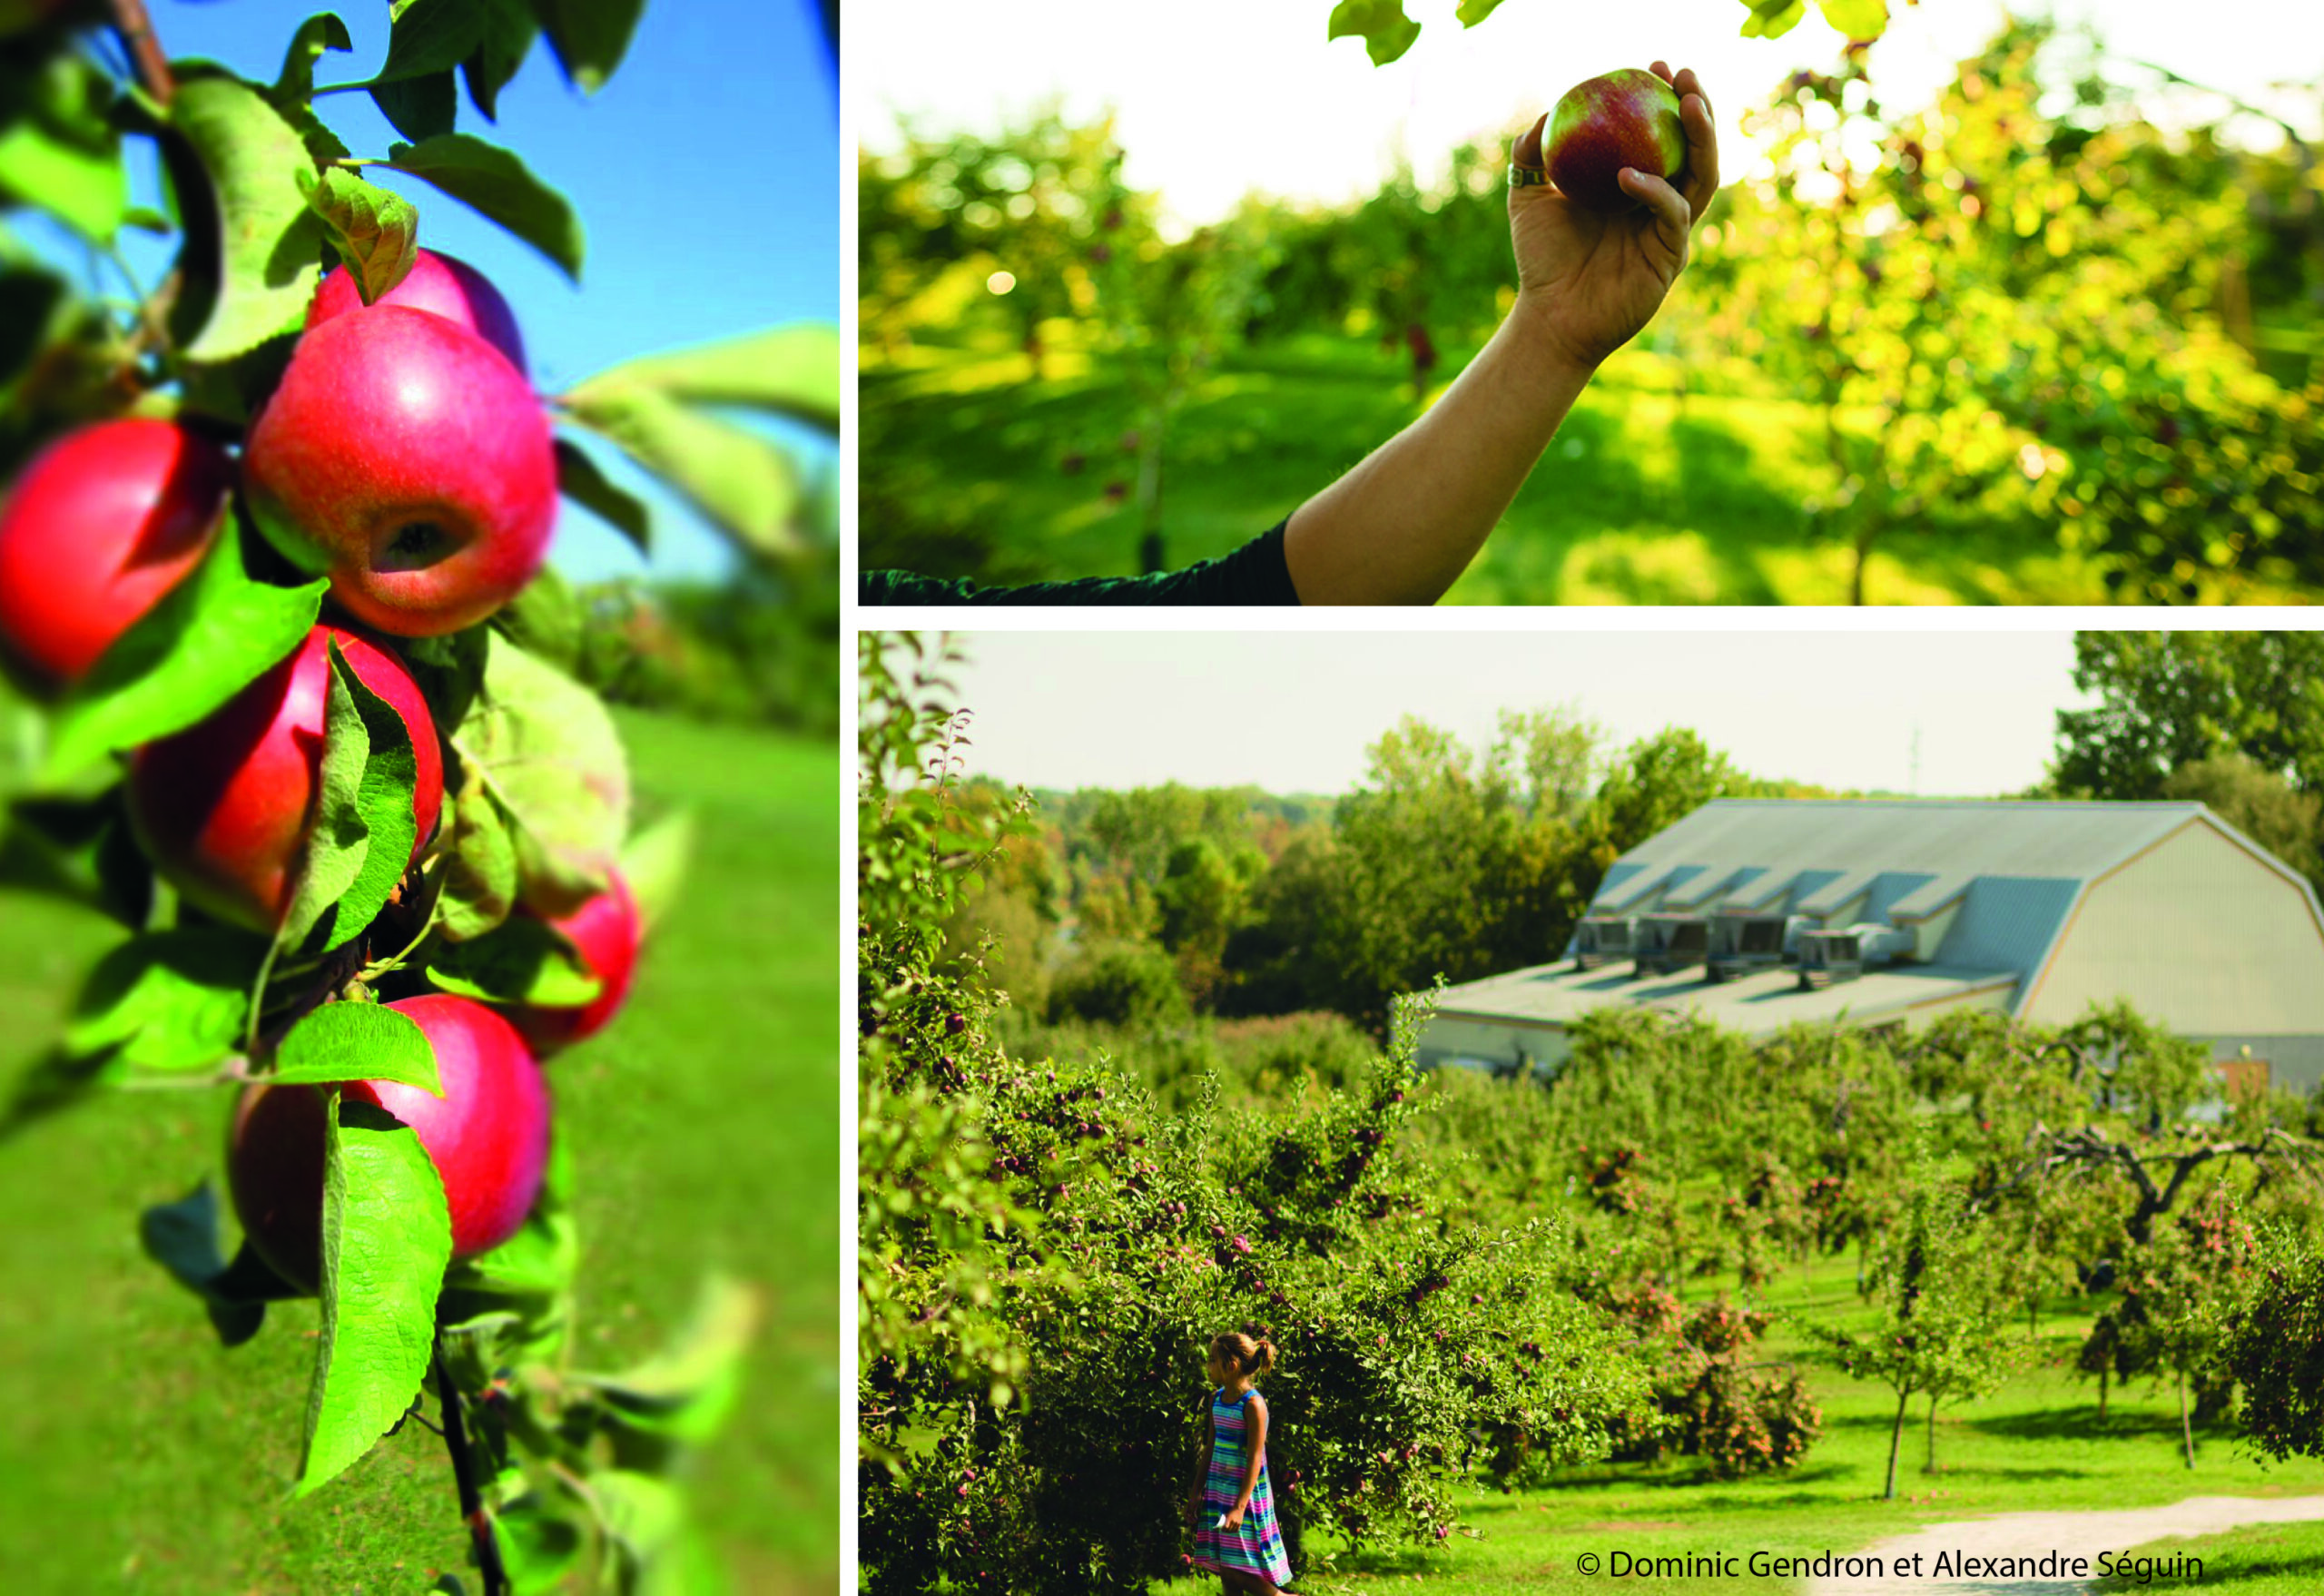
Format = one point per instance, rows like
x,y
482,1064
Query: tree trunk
x,y
1930,1466
2186,1429
1896,1444
1150,552
2104,1369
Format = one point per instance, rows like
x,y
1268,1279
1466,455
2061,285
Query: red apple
x,y
605,931
488,1137
1627,118
101,524
439,284
406,457
223,809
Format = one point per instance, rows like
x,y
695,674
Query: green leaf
x,y
1864,20
387,1240
786,370
525,961
537,1549
545,620
1472,12
589,36
480,879
503,41
499,187
688,1391
295,84
364,829
428,36
268,236
642,1515
449,670
653,863
1772,19
1386,32
29,300
375,231
745,483
548,749
421,108
57,150
357,1041
171,1001
210,637
578,478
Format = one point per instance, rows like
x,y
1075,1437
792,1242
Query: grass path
x,y
2044,1553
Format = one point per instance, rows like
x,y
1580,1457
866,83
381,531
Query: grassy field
x,y
2037,1445
1645,497
137,1455
2264,1560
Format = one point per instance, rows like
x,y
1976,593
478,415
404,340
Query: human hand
x,y
1588,282
1234,1518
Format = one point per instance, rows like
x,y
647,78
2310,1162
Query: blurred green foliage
x,y
2016,345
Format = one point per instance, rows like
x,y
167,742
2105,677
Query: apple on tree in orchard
x,y
403,455
449,287
103,523
488,1137
1627,118
605,932
224,808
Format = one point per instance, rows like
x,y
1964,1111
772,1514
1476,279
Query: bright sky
x,y
1219,97
705,173
1294,712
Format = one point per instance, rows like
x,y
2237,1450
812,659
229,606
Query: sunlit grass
x,y
1647,496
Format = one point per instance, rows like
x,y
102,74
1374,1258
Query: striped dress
x,y
1255,1546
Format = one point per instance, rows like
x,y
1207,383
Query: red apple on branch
x,y
448,287
605,931
224,808
406,457
488,1137
1627,118
101,524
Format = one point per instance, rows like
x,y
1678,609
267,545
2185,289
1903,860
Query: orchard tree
x,y
2273,1347
271,563
1938,1329
2169,700
2178,1298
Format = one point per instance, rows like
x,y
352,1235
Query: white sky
x,y
1294,711
1219,97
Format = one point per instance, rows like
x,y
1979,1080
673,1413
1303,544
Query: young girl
x,y
1233,1507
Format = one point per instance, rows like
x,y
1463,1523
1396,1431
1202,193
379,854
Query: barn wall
x,y
2201,936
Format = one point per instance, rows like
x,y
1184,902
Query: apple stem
x,y
472,1509
136,31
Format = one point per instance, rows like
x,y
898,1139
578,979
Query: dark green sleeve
x,y
1255,574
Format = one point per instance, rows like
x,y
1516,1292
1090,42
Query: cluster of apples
x,y
405,455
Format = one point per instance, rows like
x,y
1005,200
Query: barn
x,y
1760,913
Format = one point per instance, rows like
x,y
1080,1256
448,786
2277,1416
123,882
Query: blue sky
x,y
705,173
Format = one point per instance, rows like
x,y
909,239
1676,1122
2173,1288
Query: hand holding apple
x,y
1589,278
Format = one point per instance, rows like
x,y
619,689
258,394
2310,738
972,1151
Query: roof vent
x,y
1601,939
1830,957
1742,943
1669,942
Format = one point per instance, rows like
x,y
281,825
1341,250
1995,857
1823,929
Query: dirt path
x,y
2033,1536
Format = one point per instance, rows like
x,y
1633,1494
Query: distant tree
x,y
2168,700
1658,781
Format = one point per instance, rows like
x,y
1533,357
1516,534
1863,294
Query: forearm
x,y
1404,524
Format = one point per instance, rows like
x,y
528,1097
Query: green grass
x,y
135,1454
1644,498
2262,1559
2037,1445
